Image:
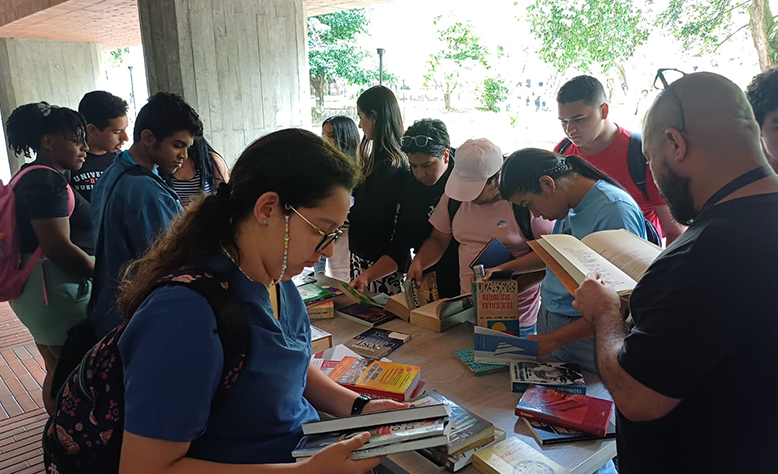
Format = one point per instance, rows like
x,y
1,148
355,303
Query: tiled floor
x,y
21,414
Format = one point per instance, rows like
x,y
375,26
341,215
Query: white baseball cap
x,y
476,161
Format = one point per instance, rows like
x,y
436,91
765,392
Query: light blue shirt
x,y
604,207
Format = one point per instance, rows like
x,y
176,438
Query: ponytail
x,y
523,169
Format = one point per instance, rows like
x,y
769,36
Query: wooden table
x,y
489,396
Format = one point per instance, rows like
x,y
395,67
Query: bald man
x,y
694,380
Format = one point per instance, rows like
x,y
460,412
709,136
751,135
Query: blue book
x,y
493,254
495,347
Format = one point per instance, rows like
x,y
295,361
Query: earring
x,y
263,222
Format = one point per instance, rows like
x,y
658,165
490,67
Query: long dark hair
x,y
200,154
30,122
523,169
387,131
298,165
345,132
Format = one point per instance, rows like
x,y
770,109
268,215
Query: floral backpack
x,y
85,434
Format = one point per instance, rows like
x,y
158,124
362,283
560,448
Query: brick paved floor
x,y
21,414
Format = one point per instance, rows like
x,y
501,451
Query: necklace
x,y
228,255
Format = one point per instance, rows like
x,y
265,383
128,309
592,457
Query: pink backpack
x,y
12,276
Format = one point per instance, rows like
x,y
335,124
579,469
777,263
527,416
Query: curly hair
x,y
164,115
763,94
28,124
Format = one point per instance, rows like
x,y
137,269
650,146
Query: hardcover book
x,y
549,434
377,379
568,410
562,376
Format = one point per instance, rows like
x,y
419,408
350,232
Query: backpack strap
x,y
524,219
231,321
564,146
637,163
453,207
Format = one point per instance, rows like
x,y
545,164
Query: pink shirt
x,y
474,226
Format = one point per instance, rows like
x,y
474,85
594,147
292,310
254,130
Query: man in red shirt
x,y
592,135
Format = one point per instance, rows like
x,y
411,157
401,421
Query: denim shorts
x,y
581,352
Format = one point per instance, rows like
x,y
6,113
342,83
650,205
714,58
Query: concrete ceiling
x,y
114,23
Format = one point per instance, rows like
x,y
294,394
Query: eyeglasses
x,y
665,85
326,239
421,141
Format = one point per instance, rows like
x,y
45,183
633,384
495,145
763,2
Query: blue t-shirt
x,y
173,361
605,207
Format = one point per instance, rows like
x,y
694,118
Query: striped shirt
x,y
187,189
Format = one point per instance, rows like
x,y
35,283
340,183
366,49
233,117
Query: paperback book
x,y
368,316
313,294
546,434
466,357
514,456
376,343
377,379
562,376
495,347
367,420
568,410
467,428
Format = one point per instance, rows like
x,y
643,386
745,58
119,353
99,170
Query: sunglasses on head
x,y
661,83
420,141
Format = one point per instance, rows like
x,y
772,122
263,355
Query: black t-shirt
x,y
417,202
42,194
706,332
84,180
372,217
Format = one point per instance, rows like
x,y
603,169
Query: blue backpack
x,y
85,434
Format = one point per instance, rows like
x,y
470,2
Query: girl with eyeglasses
x,y
384,166
288,195
55,228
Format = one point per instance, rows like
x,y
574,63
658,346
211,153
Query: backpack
x,y
12,276
522,215
85,434
638,168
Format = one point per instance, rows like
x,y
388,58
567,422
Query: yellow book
x,y
514,456
377,379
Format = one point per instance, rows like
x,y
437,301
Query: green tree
x,y
460,50
580,34
493,93
115,56
334,52
705,25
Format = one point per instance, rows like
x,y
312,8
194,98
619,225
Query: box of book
x,y
497,305
377,379
324,310
514,456
568,410
444,313
562,376
546,434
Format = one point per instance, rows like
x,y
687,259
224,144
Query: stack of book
x,y
575,417
319,300
391,432
377,379
469,433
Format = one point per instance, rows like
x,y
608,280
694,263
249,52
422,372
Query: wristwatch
x,y
359,404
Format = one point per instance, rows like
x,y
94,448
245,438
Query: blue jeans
x,y
581,352
528,331
320,265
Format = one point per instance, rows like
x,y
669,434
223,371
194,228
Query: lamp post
x,y
381,52
132,90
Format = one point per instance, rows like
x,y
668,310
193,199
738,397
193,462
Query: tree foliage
x,y
494,93
582,33
334,51
115,58
704,25
459,50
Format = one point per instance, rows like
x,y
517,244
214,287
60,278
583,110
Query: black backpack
x,y
85,434
522,215
638,168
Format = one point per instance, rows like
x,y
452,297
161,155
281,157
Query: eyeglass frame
x,y
326,239
667,87
414,142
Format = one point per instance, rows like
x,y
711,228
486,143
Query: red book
x,y
576,412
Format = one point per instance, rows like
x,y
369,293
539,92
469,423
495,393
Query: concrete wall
x,y
55,71
242,64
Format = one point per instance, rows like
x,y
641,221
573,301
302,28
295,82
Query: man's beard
x,y
675,189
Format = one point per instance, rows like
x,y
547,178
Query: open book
x,y
619,256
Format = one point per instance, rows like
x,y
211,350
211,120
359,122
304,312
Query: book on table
x,y
393,431
568,410
323,310
466,357
619,256
493,254
467,428
360,297
563,376
444,313
313,294
514,456
497,305
398,306
461,460
546,434
495,347
377,343
422,291
320,340
366,315
377,379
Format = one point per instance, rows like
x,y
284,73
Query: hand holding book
x,y
376,406
336,459
595,297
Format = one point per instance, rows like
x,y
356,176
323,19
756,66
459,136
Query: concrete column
x,y
242,64
58,72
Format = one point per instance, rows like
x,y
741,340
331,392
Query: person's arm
x,y
430,252
600,304
528,263
670,227
54,238
578,330
530,280
150,217
383,267
142,455
222,172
